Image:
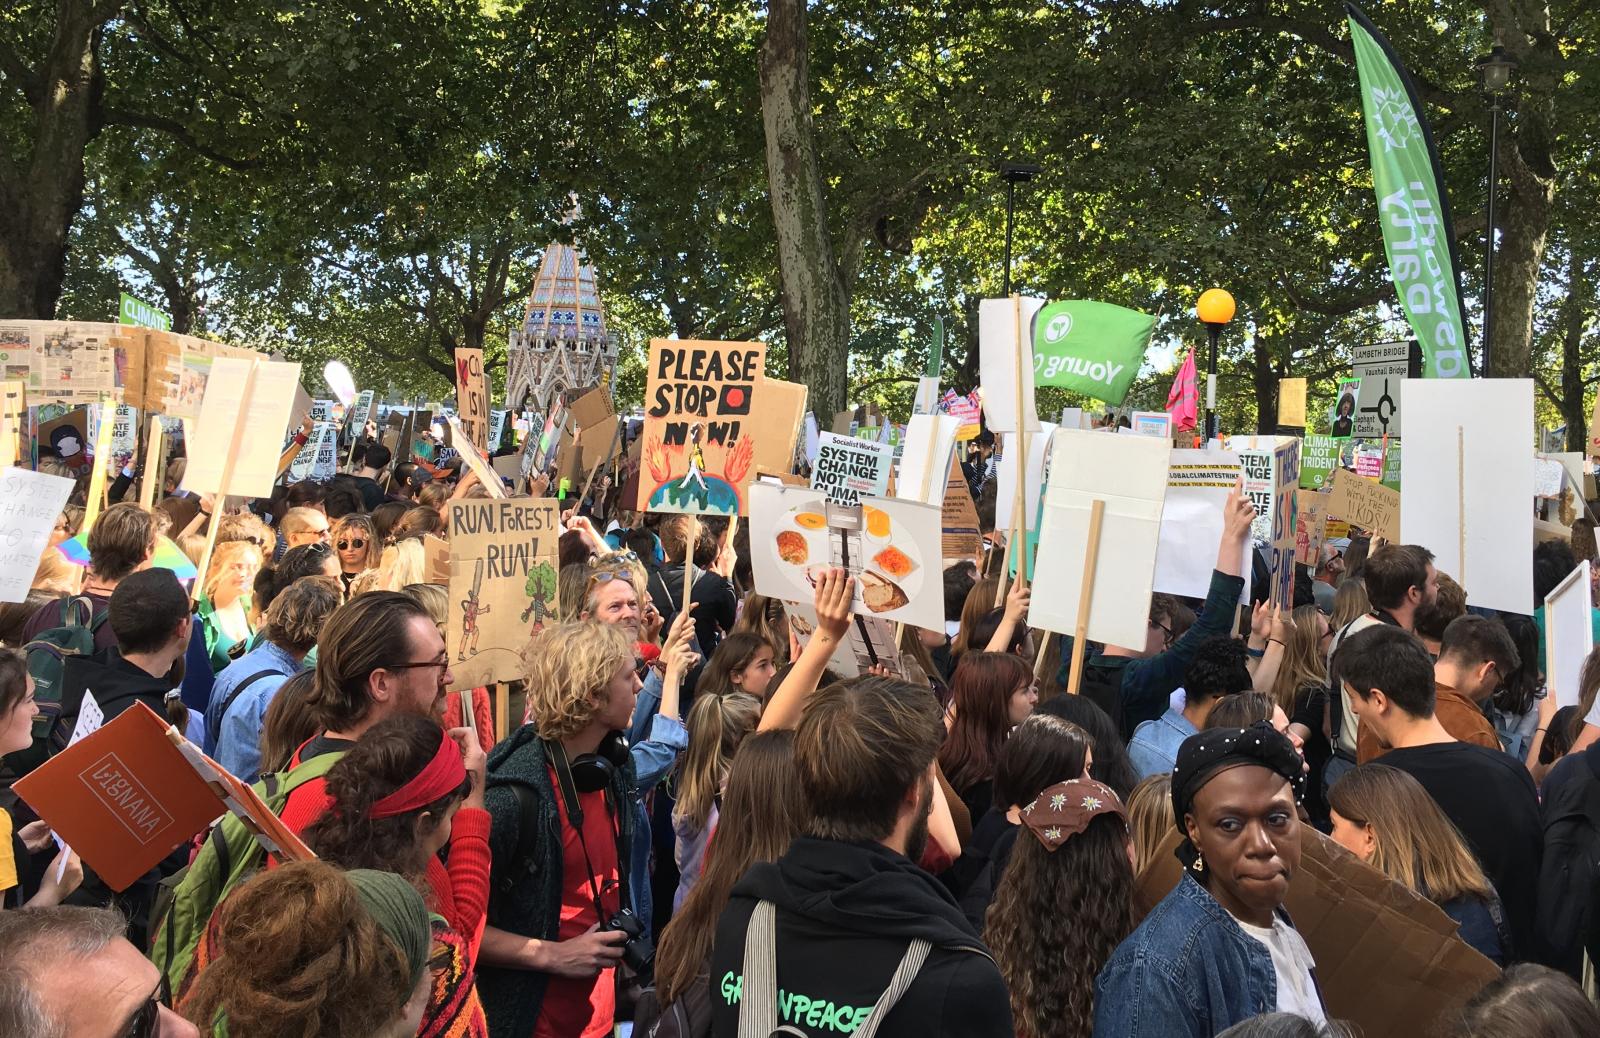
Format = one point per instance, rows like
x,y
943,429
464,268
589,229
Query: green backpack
x,y
47,655
230,855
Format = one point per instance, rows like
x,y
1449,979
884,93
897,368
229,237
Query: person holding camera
x,y
559,790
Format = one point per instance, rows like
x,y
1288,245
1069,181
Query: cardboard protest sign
x,y
1128,474
1568,634
849,469
1005,492
700,437
503,561
966,410
1368,504
33,503
593,408
1342,419
1310,527
930,440
779,411
1464,485
497,429
1381,367
1005,359
1198,485
255,467
126,796
475,461
893,547
1271,477
318,459
963,536
1388,960
926,398
1152,423
360,412
472,398
1292,402
66,439
1319,456
868,642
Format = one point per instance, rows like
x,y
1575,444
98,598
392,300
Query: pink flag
x,y
1183,402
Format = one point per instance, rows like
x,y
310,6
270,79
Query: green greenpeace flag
x,y
1090,348
1412,207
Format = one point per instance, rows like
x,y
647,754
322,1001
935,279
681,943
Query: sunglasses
x,y
146,1023
347,545
601,576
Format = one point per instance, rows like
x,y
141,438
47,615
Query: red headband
x,y
442,775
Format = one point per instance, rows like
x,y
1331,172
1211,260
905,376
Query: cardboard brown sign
x,y
963,535
593,408
504,555
700,434
1365,503
1388,960
472,398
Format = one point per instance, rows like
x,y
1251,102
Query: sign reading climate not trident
x,y
1091,348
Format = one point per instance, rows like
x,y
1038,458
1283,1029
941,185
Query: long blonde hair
x,y
766,616
225,555
1349,602
1304,662
358,523
1415,842
1150,818
717,725
403,563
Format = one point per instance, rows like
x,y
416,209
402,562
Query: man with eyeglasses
x,y
1475,656
70,971
1133,683
379,655
304,526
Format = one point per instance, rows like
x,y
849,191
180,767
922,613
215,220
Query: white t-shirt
x,y
1292,962
1347,722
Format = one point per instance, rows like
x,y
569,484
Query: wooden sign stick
x,y
690,538
1044,651
1091,558
611,450
154,471
502,710
219,502
1020,499
1461,503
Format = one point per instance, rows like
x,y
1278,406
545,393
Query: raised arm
x,y
834,593
1017,600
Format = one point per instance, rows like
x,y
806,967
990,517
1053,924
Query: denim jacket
x,y
1153,750
1188,970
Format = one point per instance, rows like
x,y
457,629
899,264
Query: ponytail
x,y
717,724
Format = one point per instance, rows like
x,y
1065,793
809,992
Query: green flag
x,y
935,350
1091,348
1412,207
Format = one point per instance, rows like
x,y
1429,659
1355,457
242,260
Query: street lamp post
x,y
1215,309
1013,173
1495,68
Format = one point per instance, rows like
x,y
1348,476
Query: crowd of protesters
x,y
694,826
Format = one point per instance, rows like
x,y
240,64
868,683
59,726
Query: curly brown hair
x,y
299,955
385,758
1070,908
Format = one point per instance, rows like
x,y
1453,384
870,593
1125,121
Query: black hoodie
x,y
845,914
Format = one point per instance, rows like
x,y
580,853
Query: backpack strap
x,y
521,866
758,999
213,736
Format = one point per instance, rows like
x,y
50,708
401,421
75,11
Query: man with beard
x,y
845,921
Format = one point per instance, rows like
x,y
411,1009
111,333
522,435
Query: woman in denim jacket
x,y
1219,948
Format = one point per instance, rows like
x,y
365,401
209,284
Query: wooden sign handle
x,y
1091,558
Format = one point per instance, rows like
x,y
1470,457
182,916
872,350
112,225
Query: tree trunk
x,y
1575,313
816,304
41,190
1264,378
1518,259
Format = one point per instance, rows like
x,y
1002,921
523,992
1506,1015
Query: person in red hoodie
x,y
379,656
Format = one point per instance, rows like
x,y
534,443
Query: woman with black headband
x,y
1219,948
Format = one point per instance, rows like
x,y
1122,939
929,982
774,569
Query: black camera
x,y
639,953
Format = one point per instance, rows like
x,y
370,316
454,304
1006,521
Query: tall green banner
x,y
1412,206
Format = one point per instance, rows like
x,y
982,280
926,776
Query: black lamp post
x,y
1014,173
1495,68
1215,309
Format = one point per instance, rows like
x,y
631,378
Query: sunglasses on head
x,y
146,1023
356,543
601,576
